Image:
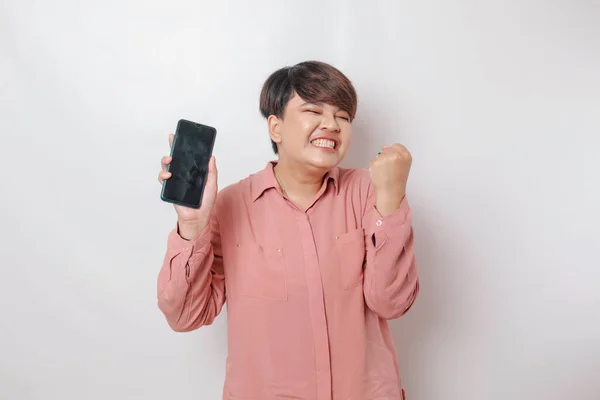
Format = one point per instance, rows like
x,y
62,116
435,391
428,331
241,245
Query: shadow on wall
x,y
414,333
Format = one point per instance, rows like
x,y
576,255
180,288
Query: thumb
x,y
210,187
212,169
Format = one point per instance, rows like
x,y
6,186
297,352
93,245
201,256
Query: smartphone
x,y
191,151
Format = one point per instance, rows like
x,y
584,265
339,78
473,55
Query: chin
x,y
325,162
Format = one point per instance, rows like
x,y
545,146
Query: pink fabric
x,y
308,293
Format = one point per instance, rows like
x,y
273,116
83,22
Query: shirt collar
x,y
265,179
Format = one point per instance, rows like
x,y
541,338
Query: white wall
x,y
498,103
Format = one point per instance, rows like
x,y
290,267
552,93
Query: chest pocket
x,y
350,254
261,272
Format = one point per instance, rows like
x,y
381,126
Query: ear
x,y
274,128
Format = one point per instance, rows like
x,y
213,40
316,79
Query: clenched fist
x,y
389,175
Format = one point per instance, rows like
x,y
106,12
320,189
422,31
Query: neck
x,y
298,181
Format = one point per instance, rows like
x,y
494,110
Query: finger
x,y
163,175
398,147
386,149
171,137
212,168
166,160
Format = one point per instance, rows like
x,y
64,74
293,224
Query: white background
x,y
498,102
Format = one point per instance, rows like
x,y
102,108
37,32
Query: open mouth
x,y
324,143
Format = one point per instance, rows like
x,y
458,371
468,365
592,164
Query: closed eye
x,y
344,118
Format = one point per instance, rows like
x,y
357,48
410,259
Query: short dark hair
x,y
313,81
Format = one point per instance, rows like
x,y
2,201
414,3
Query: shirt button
x,y
185,249
379,222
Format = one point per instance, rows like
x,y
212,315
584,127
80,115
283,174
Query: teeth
x,y
323,143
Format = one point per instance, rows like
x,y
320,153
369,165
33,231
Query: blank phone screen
x,y
191,152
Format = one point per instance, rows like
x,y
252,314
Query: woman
x,y
313,259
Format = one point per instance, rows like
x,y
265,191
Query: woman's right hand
x,y
192,221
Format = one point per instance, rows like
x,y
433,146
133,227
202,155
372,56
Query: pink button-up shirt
x,y
308,292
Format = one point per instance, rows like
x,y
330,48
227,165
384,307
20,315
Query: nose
x,y
329,123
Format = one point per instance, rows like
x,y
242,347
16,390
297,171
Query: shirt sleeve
x,y
191,282
391,282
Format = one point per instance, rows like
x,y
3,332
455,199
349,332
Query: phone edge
x,y
212,145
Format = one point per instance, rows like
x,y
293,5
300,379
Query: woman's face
x,y
316,135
